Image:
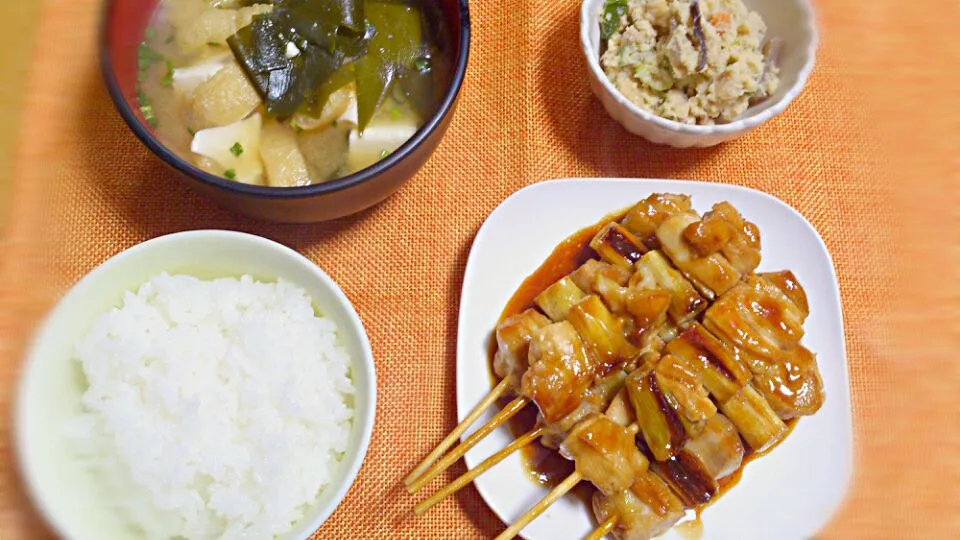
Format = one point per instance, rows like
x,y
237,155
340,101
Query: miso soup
x,y
290,93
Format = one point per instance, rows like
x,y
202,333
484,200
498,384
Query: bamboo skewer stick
x,y
603,529
472,474
541,506
550,498
494,394
499,419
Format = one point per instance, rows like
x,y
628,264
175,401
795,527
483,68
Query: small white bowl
x,y
792,21
51,383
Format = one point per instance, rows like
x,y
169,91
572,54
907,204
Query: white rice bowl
x,y
214,409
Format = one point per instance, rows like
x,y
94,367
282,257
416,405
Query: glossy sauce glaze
x,y
546,466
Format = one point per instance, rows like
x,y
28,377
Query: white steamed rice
x,y
215,409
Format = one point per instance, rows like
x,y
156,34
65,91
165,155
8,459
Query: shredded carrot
x,y
721,18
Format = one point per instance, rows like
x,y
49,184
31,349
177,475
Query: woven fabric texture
x,y
84,189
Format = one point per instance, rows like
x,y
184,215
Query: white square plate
x,y
790,493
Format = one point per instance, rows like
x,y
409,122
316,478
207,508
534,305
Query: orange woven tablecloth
x,y
84,189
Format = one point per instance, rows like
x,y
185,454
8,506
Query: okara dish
x,y
647,356
291,93
691,61
213,409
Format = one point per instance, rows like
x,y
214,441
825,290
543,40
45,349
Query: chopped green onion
x,y
147,112
395,113
422,64
169,38
150,32
214,44
191,131
230,174
384,153
167,79
236,149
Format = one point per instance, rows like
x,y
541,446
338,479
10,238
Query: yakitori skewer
x,y
558,376
502,416
502,387
661,267
510,362
604,454
604,528
692,444
652,288
602,333
615,243
596,400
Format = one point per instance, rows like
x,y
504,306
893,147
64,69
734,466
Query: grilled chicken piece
x,y
788,285
560,372
603,279
648,509
586,276
513,343
717,447
648,318
792,386
764,327
605,454
712,274
596,401
756,316
681,382
724,230
653,271
617,246
643,219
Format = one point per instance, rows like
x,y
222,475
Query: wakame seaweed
x,y
304,50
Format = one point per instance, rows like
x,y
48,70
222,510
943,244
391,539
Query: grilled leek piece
x,y
602,333
661,425
682,384
558,298
721,371
653,271
617,246
756,421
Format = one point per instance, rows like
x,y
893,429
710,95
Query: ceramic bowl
x,y
791,21
51,383
123,26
